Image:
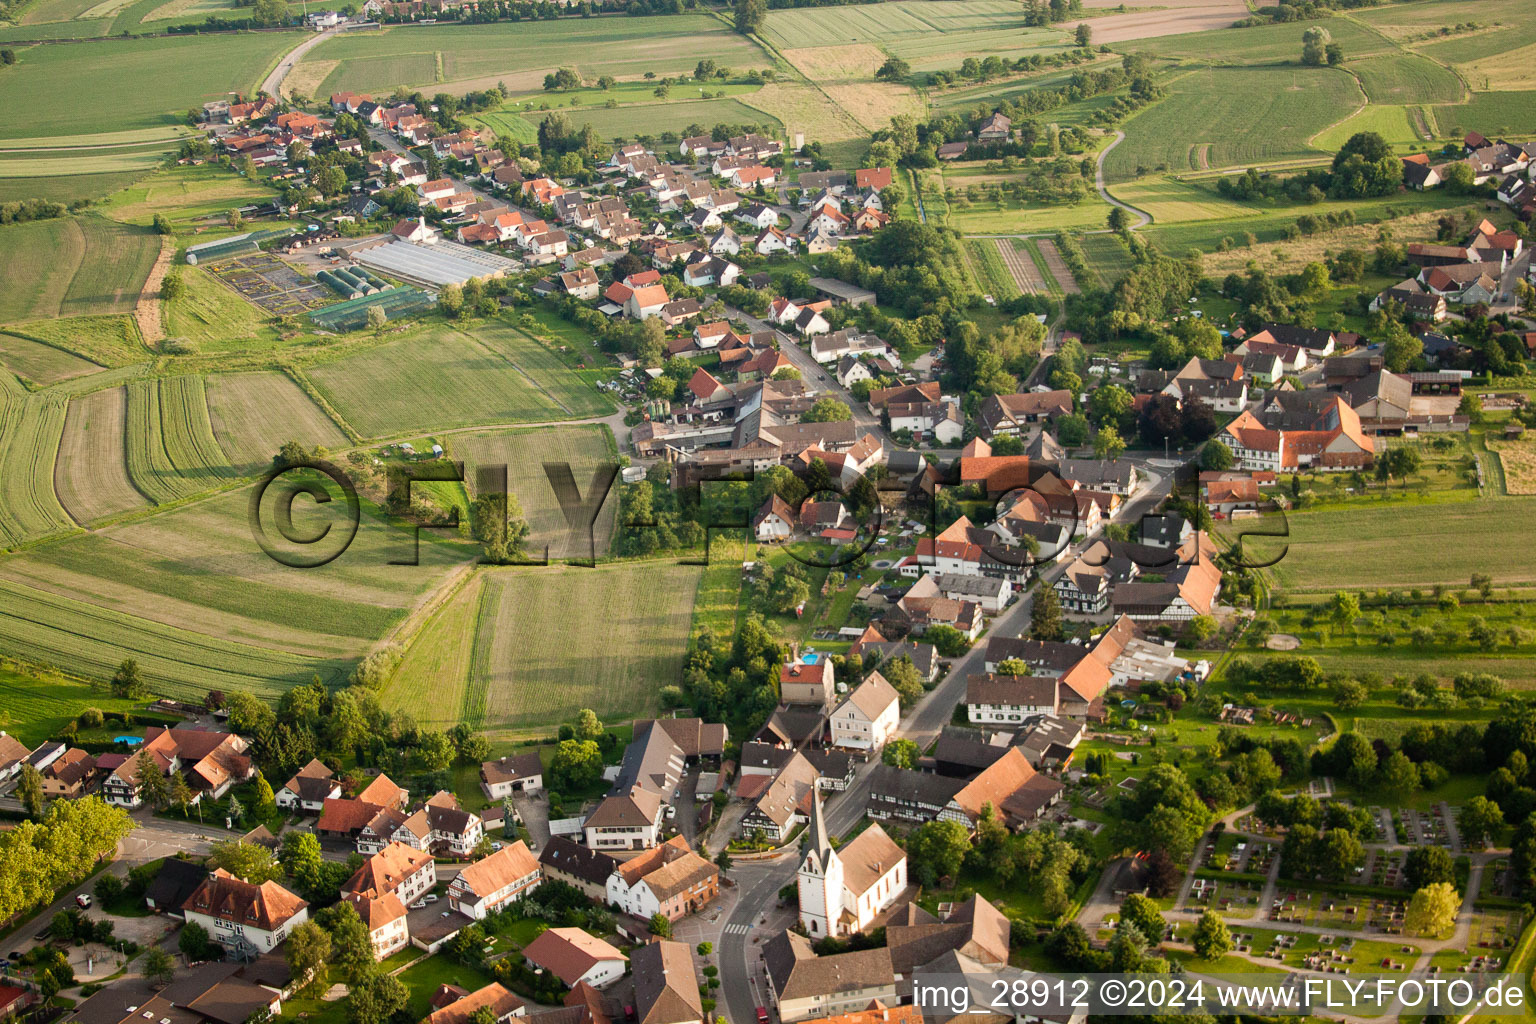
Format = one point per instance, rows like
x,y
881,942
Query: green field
x,y
524,453
72,266
41,364
1491,113
185,195
1107,257
30,428
254,414
926,34
102,86
436,379
1233,117
535,663
627,121
1392,123
1268,43
171,450
214,316
521,53
1406,78
105,340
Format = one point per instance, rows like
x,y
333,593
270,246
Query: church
x,y
842,892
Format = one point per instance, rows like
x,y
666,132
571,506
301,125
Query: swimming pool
x,y
132,741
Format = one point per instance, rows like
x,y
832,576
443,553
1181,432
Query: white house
x,y
491,883
774,521
520,773
309,789
245,917
868,717
773,240
573,956
842,891
625,822
669,879
992,699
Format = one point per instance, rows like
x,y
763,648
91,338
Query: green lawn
x,y
35,706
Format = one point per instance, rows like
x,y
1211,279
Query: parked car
x,y
430,897
83,901
762,1015
418,904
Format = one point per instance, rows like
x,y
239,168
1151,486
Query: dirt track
x,y
146,312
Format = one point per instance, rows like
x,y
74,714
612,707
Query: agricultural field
x,y
520,54
1268,44
30,429
576,396
927,35
38,364
527,672
438,378
1415,23
1107,257
524,453
672,115
803,109
440,660
1233,117
171,451
72,266
1491,113
1395,124
186,196
41,92
254,414
91,471
214,317
1406,78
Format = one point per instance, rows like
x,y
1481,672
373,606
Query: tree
x,y
937,849
351,946
1335,54
587,725
1349,693
450,301
1140,911
577,764
1045,616
1216,456
1432,911
900,754
159,967
1427,865
894,70
904,678
376,999
180,793
1212,939
195,944
1117,220
1200,629
1314,46
154,787
1481,821
661,926
249,861
309,953
723,862
300,857
29,790
827,410
1399,776
377,319
1343,609
1107,444
750,15
162,224
126,681
1084,35
436,751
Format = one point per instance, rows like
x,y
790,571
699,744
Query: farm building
x,y
435,265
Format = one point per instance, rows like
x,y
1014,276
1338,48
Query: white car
x,y
418,904
430,897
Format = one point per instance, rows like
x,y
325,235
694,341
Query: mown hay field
x,y
91,471
30,429
1511,70
802,109
1418,22
938,33
435,379
1518,459
102,340
553,641
1398,545
40,364
104,86
1406,78
1247,116
72,266
524,452
1278,43
1514,31
570,391
171,450
623,47
255,414
439,662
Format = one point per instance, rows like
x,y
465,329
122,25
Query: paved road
x,y
273,83
1142,218
740,960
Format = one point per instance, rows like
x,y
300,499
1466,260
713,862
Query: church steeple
x,y
821,877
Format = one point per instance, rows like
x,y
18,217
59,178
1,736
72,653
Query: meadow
x,y
38,364
99,86
435,379
90,473
72,266
30,428
1233,117
1393,123
213,316
1406,78
521,53
440,660
535,663
1491,113
34,706
1268,44
671,115
524,453
184,195
254,414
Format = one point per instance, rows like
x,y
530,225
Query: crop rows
x,y
171,450
30,428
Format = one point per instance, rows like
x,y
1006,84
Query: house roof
x,y
666,985
514,768
868,858
267,906
995,784
569,953
500,1000
873,696
637,808
577,860
384,792
386,870
499,870
991,688
796,972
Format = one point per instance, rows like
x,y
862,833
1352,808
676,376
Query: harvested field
x,y
72,266
171,450
146,312
1511,71
437,379
1303,250
1025,274
801,109
524,453
254,414
91,472
40,364
873,104
537,661
1065,282
1518,458
30,429
825,63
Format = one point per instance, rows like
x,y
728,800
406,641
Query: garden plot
x,y
1025,274
267,282
1058,267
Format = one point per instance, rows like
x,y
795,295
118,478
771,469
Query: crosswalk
x,y
737,929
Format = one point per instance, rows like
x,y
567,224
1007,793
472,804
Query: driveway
x,y
535,815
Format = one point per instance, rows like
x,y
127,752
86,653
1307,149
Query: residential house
x,y
668,879
383,887
786,802
803,985
462,1009
572,863
1013,415
666,984
71,775
995,128
1017,794
517,773
309,789
992,699
868,717
492,882
242,916
807,682
573,956
625,821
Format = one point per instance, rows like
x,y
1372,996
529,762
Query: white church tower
x,y
821,879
